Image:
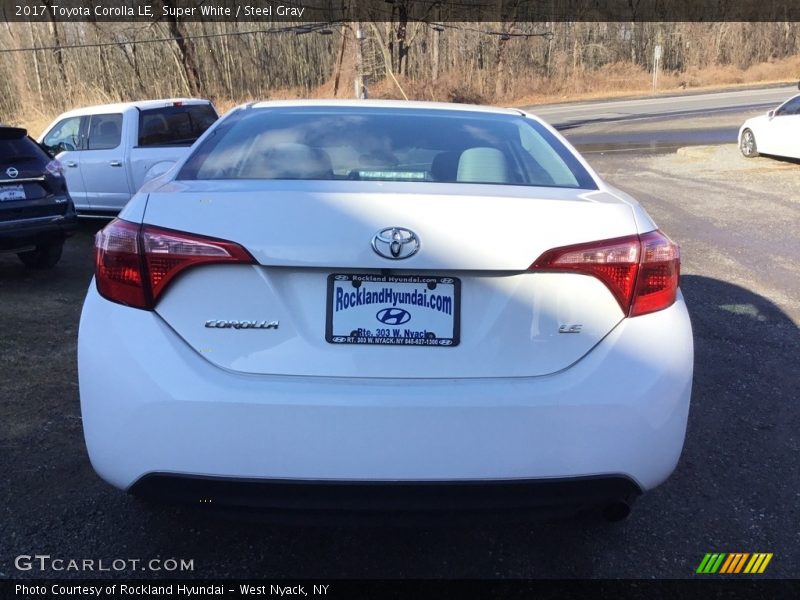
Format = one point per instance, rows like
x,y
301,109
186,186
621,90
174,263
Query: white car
x,y
394,305
776,133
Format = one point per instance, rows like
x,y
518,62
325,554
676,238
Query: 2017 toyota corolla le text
x,y
385,305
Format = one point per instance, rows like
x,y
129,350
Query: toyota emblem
x,y
395,242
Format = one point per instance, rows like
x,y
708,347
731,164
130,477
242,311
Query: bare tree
x,y
188,58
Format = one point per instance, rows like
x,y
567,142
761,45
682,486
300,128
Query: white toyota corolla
x,y
385,305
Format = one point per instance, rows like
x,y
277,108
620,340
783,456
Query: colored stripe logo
x,y
734,562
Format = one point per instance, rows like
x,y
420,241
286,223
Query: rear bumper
x,y
414,498
152,405
31,231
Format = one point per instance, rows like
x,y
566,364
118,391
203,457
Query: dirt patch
x,y
726,159
763,176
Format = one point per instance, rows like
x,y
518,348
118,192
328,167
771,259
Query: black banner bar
x,y
709,588
431,11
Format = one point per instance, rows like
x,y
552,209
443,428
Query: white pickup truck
x,y
108,151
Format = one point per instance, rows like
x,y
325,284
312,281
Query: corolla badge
x,y
393,316
395,242
12,172
245,324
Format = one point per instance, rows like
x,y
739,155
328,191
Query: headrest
x,y
483,165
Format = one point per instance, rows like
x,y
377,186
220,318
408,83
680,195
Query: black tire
x,y
748,145
46,256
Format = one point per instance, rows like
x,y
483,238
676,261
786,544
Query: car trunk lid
x,y
476,243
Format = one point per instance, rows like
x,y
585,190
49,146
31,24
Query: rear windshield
x,y
20,149
322,143
174,125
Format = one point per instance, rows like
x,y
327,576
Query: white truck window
x,y
64,136
174,125
105,131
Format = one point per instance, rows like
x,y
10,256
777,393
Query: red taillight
x,y
167,253
614,262
118,264
641,271
135,263
659,274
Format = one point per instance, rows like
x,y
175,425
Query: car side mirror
x,y
58,148
770,113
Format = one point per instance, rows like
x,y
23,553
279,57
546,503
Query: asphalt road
x,y
735,488
660,123
662,107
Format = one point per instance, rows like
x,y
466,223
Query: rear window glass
x,y
14,149
313,143
174,125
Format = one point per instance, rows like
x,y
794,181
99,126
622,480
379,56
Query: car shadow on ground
x,y
781,159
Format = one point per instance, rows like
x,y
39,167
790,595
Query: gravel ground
x,y
736,488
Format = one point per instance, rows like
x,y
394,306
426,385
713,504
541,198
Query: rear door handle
x,y
70,163
115,163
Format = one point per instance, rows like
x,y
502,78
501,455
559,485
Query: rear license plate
x,y
394,310
12,192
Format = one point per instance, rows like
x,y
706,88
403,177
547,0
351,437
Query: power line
x,y
296,29
501,34
322,27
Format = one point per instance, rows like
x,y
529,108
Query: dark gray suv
x,y
36,212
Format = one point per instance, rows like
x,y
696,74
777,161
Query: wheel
x,y
44,257
748,144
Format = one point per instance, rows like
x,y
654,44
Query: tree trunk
x,y
36,65
57,42
188,56
338,69
105,79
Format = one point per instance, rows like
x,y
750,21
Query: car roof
x,y
125,106
404,104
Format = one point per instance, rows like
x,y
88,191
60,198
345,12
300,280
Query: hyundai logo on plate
x,y
395,242
12,172
393,316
